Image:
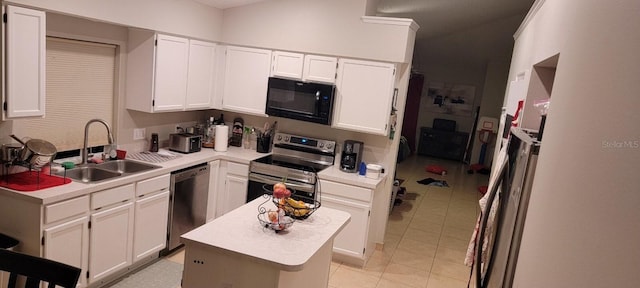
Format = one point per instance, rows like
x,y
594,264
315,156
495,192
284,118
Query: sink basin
x,y
90,174
126,166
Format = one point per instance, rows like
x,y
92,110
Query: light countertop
x,y
239,234
235,154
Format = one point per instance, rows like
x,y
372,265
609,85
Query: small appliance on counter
x,y
351,156
154,143
236,132
185,142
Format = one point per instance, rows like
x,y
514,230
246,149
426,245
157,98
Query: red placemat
x,y
30,181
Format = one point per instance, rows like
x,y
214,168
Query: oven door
x,y
257,181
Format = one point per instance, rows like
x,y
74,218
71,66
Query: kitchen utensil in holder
x,y
264,143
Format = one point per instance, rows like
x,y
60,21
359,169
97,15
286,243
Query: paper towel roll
x,y
222,138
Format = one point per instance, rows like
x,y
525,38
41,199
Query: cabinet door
x,y
351,241
287,65
111,235
364,83
319,69
246,78
69,243
25,67
214,170
170,83
151,214
235,192
201,75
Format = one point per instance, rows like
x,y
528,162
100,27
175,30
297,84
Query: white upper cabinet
x,y
364,84
25,44
168,73
319,69
308,68
246,77
201,75
287,65
170,83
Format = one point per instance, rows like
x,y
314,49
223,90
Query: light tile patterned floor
x,y
427,235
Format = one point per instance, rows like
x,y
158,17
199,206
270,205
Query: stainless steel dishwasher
x,y
188,202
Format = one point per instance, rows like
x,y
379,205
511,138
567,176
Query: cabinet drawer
x,y
66,209
237,169
345,191
152,185
112,196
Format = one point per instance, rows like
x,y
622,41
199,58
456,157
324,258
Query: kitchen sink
x,y
89,174
92,173
126,166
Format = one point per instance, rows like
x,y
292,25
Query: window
x,y
80,86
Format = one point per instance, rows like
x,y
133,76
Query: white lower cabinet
x,y
69,243
233,190
66,234
151,216
212,200
111,231
354,241
107,231
351,241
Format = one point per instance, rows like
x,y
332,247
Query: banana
x,y
296,204
300,212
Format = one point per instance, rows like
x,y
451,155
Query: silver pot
x,y
35,152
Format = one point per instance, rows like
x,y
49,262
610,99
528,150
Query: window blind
x,y
80,86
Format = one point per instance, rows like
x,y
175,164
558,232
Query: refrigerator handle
x,y
503,173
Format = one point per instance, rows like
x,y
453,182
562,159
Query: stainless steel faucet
x,y
86,139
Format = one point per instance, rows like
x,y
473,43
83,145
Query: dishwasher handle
x,y
190,172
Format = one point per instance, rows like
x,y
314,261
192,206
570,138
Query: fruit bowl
x,y
278,223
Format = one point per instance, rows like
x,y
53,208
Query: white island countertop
x,y
239,234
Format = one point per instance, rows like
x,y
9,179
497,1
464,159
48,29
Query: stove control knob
x,y
329,146
321,144
279,137
286,138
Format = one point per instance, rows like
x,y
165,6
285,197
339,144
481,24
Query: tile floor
x,y
427,235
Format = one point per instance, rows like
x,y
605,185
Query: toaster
x,y
185,142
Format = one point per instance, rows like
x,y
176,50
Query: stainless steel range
x,y
296,158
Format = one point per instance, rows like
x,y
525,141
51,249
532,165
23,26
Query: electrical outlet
x,y
139,134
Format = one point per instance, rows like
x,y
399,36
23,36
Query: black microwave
x,y
312,102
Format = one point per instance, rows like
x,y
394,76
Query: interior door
x,y
411,110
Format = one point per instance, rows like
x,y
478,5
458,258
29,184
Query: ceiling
x,y
435,17
442,17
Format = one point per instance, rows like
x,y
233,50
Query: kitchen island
x,y
236,251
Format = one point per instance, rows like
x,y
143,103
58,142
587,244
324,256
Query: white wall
x,y
331,27
495,84
185,17
583,227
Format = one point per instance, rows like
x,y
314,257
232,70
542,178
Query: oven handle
x,y
273,180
